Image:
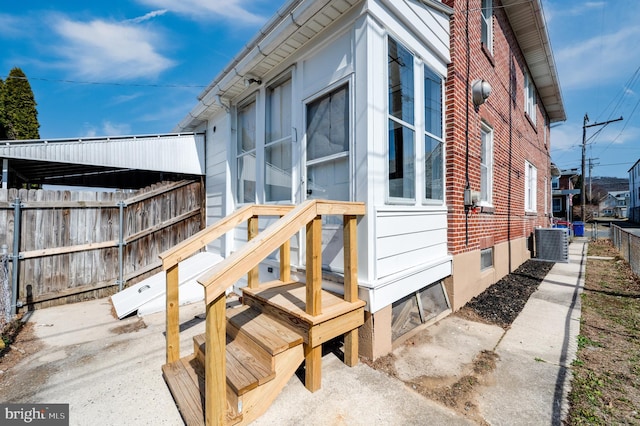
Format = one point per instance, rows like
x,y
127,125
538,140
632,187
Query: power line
x,y
104,83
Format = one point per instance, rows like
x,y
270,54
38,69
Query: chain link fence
x,y
627,241
5,290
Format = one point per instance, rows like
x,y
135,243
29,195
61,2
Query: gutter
x,y
285,22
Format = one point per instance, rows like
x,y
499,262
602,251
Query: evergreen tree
x,y
20,107
3,118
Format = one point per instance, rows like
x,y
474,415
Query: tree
x,y
3,118
21,115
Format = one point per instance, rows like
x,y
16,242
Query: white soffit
x,y
529,25
173,153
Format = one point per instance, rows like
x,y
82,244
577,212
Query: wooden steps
x,y
258,348
285,302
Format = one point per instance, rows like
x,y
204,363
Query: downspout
x,y
466,130
512,105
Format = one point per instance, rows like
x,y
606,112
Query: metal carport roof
x,y
99,160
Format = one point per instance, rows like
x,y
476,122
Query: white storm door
x,y
327,165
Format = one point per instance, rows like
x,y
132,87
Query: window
x,y
328,140
487,24
486,165
530,179
529,98
246,153
433,135
277,150
557,205
486,258
555,182
401,153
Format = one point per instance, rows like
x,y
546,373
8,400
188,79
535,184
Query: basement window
x,y
486,258
417,308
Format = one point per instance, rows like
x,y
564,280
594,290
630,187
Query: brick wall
x,y
516,139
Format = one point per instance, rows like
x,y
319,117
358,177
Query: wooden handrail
x,y
189,247
199,240
245,261
231,269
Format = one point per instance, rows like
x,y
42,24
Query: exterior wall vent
x,y
552,244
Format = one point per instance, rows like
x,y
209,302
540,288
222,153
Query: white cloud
x,y
565,137
110,51
148,16
115,129
121,99
600,59
10,26
233,10
107,128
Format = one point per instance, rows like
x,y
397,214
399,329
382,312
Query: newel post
x,y
313,355
215,363
172,315
350,285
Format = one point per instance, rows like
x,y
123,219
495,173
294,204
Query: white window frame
x,y
486,16
285,139
529,98
530,186
240,155
557,201
483,254
410,126
439,137
486,164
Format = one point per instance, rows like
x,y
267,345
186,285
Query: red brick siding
x,y
514,140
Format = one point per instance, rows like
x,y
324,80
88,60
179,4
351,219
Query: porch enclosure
x,y
68,246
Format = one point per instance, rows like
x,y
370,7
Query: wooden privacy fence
x,y
76,245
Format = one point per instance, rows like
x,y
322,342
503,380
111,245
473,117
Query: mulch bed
x,y
501,303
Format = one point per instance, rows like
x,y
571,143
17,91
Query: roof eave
x,y
529,26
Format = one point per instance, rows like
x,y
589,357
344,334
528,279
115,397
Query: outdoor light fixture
x,y
249,80
480,91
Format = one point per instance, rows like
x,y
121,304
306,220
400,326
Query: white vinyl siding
x,y
406,239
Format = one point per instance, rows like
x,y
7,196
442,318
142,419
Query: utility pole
x,y
591,164
584,152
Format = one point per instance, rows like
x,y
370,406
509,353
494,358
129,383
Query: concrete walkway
x,y
109,370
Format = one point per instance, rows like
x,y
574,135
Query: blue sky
x,y
136,66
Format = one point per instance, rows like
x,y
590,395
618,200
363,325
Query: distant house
x,y
435,114
634,192
563,189
614,204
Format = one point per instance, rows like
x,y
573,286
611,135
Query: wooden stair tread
x,y
291,298
244,371
270,334
185,378
185,392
